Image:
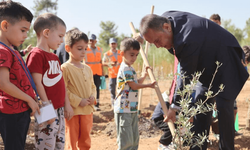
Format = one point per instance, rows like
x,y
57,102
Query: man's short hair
x,y
246,50
215,17
47,21
128,43
152,21
13,12
74,35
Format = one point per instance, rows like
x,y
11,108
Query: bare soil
x,y
103,133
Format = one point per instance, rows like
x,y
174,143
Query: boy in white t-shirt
x,y
126,102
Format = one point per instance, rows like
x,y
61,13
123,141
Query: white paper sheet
x,y
47,113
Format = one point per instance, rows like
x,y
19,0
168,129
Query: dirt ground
x,y
103,133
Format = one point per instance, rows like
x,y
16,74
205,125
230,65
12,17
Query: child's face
x,y
130,56
77,51
55,36
16,33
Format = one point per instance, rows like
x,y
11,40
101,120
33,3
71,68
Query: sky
x,y
88,14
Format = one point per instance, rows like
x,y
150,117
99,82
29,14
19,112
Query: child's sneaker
x,y
164,147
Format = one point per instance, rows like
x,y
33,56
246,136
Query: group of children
x,y
70,87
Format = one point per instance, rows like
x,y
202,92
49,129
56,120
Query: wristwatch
x,y
174,107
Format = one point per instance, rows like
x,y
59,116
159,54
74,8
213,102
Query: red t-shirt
x,y
48,65
9,104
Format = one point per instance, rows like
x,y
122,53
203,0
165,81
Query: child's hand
x,y
68,112
28,49
145,71
144,74
91,100
84,102
51,121
152,85
34,107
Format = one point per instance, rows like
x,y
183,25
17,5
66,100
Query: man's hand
x,y
138,37
113,63
170,116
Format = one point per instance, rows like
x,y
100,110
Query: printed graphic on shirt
x,y
54,68
127,99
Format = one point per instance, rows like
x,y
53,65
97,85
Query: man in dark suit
x,y
62,54
198,43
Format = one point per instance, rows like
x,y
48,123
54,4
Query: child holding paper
x,y
17,96
46,72
81,89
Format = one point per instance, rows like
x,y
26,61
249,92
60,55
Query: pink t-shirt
x,y
17,76
48,65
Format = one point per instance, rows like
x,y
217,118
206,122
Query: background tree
x,y
108,30
246,40
119,39
237,32
42,6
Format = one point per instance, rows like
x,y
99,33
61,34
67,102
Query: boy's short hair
x,y
47,21
74,35
128,43
246,50
215,17
13,12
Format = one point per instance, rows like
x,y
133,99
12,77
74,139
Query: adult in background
x,y
246,50
215,18
93,58
198,43
112,59
62,54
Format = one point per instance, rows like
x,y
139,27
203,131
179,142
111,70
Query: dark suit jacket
x,y
62,54
198,44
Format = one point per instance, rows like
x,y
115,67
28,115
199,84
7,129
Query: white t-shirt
x,y
127,99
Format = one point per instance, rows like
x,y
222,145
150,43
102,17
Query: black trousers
x,y
226,124
97,80
13,129
166,138
112,87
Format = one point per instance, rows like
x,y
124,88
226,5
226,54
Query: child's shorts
x,y
51,136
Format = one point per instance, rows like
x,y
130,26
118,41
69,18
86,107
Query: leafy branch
x,y
183,134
